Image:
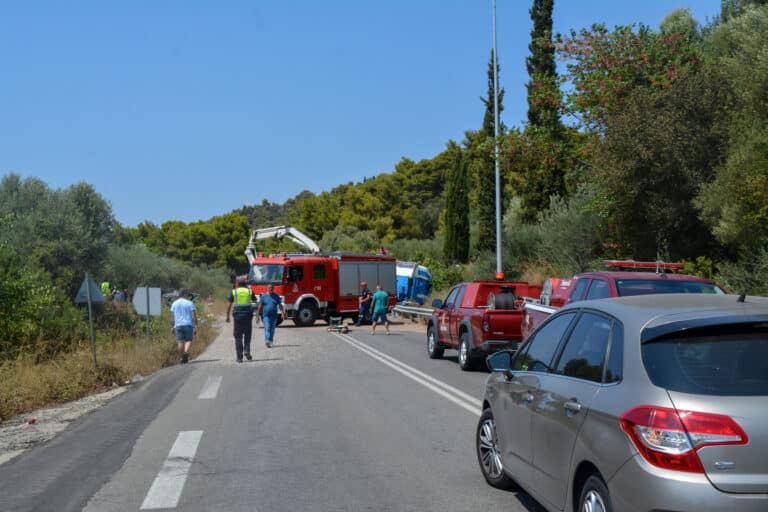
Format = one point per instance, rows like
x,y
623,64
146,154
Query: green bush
x,y
701,266
443,276
34,316
571,232
134,265
417,250
748,275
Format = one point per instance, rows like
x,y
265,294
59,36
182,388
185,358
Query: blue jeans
x,y
362,312
270,322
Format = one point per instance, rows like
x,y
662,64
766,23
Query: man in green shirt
x,y
380,300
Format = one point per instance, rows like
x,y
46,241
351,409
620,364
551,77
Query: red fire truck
x,y
318,285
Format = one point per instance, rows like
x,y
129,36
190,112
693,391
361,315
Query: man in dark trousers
x,y
242,299
365,302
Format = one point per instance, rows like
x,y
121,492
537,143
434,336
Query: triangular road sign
x,y
82,294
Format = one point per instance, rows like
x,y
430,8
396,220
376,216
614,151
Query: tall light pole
x,y
496,144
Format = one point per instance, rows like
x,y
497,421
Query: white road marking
x,y
456,396
210,388
166,489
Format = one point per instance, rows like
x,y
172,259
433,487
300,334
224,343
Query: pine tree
x,y
456,217
545,175
484,168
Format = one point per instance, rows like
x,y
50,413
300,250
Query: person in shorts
x,y
380,301
184,323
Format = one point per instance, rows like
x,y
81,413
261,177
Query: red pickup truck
x,y
604,284
478,318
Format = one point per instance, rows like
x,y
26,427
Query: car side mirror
x,y
499,361
437,303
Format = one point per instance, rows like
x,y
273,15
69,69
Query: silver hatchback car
x,y
645,403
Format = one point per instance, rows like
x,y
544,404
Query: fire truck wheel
x,y
305,316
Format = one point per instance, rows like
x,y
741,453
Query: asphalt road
x,y
320,422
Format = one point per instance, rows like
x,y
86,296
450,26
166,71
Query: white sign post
x,y
146,301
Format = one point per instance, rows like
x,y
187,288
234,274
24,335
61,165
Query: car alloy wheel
x,y
593,502
490,458
595,496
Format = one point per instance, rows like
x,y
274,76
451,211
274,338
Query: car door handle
x,y
527,397
572,405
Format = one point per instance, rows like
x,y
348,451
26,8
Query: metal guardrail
x,y
412,311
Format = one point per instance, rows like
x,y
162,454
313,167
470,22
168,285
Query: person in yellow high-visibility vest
x,y
106,289
241,305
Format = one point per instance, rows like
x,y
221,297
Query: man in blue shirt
x,y
184,322
269,307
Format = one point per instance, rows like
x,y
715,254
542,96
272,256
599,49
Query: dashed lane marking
x,y
166,489
210,388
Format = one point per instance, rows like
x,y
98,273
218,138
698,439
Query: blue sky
x,y
187,109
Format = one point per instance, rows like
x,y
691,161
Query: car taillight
x,y
669,439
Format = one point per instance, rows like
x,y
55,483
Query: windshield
x,y
266,274
627,287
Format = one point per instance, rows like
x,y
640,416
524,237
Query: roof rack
x,y
658,266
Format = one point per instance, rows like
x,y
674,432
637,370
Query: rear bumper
x,y
492,346
640,487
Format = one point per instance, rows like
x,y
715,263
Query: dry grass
x,y
26,384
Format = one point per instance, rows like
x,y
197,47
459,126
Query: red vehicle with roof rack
x,y
633,278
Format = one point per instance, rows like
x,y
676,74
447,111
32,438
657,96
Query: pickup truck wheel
x,y
488,454
305,316
466,362
433,346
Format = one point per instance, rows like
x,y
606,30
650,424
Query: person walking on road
x,y
242,299
365,303
269,307
184,323
380,300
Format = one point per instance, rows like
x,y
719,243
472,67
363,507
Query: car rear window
x,y
627,287
727,360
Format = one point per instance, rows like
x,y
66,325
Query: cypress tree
x,y
541,68
485,172
545,175
456,243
